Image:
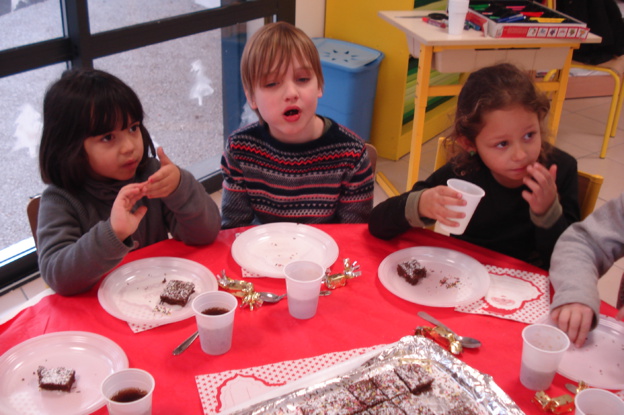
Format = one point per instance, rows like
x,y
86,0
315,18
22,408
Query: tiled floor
x,y
580,134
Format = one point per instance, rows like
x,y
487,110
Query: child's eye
x,y
502,144
270,84
134,127
529,136
303,80
106,138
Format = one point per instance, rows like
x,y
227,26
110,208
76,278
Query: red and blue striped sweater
x,y
327,180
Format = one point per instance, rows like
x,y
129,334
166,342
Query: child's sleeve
x,y
236,207
194,218
356,201
567,190
72,261
585,252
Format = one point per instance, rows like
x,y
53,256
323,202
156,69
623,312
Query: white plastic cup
x,y
457,10
303,286
598,402
125,384
543,347
472,194
214,313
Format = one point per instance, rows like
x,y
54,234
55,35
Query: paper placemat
x,y
223,390
514,295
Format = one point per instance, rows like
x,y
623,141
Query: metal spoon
x,y
467,342
265,296
185,344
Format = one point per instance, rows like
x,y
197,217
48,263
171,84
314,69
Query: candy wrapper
x,y
242,289
559,405
351,270
441,336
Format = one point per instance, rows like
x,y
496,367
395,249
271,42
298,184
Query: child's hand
x,y
433,204
123,221
543,188
163,182
575,319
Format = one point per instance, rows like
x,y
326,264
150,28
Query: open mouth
x,y
292,112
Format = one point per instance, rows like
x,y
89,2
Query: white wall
x,y
310,17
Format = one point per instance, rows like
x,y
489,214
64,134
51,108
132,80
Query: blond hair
x,y
272,49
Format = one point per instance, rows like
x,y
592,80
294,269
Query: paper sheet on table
x,y
514,295
224,390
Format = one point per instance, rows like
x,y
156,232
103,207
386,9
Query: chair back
x,y
588,190
32,210
372,155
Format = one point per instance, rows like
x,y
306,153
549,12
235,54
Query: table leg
x,y
420,109
559,97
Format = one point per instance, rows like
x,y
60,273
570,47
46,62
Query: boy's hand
x,y
123,221
543,187
433,204
163,182
575,319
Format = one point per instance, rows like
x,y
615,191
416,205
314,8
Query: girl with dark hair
x,y
107,193
531,188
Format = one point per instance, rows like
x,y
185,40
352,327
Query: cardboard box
x,y
537,21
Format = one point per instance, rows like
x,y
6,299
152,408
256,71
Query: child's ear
x,y
250,100
466,144
320,93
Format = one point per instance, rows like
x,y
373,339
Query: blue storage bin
x,y
350,73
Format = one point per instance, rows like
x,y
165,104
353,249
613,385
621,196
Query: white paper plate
x,y
600,362
453,279
265,249
132,291
92,356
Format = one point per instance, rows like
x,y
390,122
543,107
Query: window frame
x,y
79,48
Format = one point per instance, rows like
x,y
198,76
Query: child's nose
x,y
291,90
127,143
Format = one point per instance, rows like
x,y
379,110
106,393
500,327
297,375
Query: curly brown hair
x,y
488,89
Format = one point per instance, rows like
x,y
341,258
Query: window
x,y
180,57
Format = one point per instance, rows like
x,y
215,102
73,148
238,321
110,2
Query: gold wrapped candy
x,y
559,405
351,270
242,289
441,336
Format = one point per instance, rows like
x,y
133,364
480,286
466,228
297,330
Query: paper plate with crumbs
x,y
132,291
452,278
600,361
414,375
264,250
93,357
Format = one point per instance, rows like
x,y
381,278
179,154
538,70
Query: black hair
x,y
84,103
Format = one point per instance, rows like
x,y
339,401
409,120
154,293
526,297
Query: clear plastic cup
x,y
214,313
303,286
598,402
543,347
457,10
129,392
472,194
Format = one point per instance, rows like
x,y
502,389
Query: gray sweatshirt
x,y
585,252
77,245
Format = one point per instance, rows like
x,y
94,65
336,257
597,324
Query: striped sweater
x,y
327,180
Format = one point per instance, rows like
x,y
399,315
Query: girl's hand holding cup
x,y
434,204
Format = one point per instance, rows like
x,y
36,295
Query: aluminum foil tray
x,y
455,383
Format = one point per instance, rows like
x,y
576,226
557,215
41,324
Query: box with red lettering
x,y
523,18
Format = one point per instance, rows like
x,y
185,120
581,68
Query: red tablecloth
x,y
362,314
